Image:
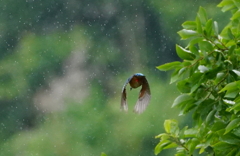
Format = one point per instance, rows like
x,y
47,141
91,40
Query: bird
x,y
135,81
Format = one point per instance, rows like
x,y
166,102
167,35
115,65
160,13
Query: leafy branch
x,y
208,79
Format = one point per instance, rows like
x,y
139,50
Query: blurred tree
x,y
94,125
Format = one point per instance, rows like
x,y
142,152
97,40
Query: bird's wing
x,y
144,97
124,105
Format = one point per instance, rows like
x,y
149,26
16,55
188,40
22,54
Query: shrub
x,y
208,78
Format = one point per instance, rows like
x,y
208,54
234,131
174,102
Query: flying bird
x,y
136,81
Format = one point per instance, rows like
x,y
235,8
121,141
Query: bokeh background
x,y
63,64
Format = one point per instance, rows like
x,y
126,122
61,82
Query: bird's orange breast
x,y
135,82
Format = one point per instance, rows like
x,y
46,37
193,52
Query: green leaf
x,y
230,139
192,69
219,77
231,86
218,125
237,3
164,144
203,108
171,145
182,71
184,86
230,43
221,145
193,132
236,15
202,15
233,152
231,93
182,99
103,154
205,46
202,149
185,34
189,25
237,100
158,149
195,87
180,154
237,132
195,41
215,28
236,107
199,25
169,66
235,28
175,76
187,107
230,34
233,124
210,117
193,143
184,54
182,131
238,153
163,136
224,3
209,27
169,125
212,74
231,50
187,64
179,74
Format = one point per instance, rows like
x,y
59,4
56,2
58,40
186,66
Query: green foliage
x,y
97,125
38,57
209,81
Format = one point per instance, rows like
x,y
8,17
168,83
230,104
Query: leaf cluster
x,y
208,78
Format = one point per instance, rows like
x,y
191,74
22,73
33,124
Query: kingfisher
x,y
136,81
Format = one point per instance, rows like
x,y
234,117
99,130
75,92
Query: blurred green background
x,y
63,64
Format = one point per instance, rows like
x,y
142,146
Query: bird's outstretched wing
x,y
144,96
124,105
